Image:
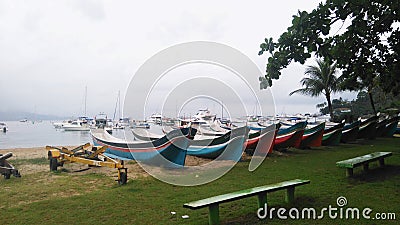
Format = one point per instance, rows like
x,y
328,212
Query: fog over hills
x,y
16,116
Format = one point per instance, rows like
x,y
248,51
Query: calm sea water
x,y
39,134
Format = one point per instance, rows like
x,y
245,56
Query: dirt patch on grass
x,y
135,171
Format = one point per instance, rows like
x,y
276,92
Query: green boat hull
x,y
332,135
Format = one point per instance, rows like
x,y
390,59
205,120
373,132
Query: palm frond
x,y
321,79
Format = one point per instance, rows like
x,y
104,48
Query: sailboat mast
x,y
119,104
222,108
85,98
116,104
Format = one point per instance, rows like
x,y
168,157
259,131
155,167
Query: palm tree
x,y
322,80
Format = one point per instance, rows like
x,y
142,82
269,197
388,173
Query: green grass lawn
x,y
59,198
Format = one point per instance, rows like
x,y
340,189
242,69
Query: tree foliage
x,y
321,80
385,103
368,49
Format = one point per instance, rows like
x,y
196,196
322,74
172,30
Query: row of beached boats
x,y
172,148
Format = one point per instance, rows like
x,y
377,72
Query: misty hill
x,y
16,116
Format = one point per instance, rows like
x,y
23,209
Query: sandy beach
x,y
26,153
23,155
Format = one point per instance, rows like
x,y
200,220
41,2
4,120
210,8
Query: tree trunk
x,y
328,99
371,100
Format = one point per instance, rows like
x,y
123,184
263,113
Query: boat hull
x,y
333,135
313,137
380,128
368,128
290,137
261,142
76,128
232,143
391,127
350,132
168,151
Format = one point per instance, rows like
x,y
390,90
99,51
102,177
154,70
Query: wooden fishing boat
x,y
332,135
207,131
256,127
368,128
312,137
168,151
350,132
145,135
391,126
207,146
380,127
258,140
290,137
229,146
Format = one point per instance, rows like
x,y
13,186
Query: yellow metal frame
x,y
78,155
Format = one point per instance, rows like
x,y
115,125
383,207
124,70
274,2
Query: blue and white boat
x,y
168,151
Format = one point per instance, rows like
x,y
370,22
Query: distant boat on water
x,y
76,125
141,125
3,127
59,125
23,120
156,119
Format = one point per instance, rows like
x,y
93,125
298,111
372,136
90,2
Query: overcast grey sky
x,y
50,50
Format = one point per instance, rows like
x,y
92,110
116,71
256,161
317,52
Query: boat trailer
x,y
86,154
6,169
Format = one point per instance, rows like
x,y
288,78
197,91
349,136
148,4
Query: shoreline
x,y
135,170
26,153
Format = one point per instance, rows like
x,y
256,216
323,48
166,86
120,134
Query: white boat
x,y
59,125
3,127
204,114
141,125
155,118
122,123
76,125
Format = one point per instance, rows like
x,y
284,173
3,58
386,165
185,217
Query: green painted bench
x,y
364,161
213,202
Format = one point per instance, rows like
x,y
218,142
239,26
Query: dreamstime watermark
x,y
159,83
332,212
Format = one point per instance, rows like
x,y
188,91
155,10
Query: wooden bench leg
x,y
382,162
262,199
365,166
349,172
213,214
290,195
